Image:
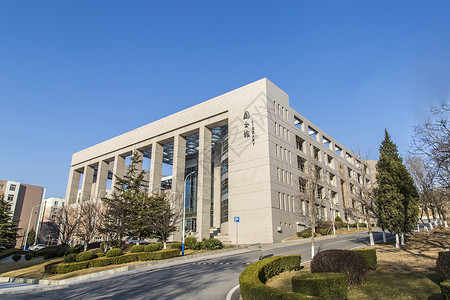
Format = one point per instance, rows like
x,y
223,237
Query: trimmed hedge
x,y
153,247
176,246
114,252
190,242
370,255
28,256
70,258
84,256
445,289
443,265
252,280
137,248
211,244
16,257
117,260
75,249
350,263
9,252
322,285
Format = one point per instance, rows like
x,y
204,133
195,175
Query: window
x,y
359,178
224,186
225,146
55,209
224,166
56,203
1,187
350,173
298,123
332,178
312,132
279,200
12,187
277,150
301,163
53,217
316,153
330,161
276,128
320,192
10,197
302,184
326,142
338,149
300,143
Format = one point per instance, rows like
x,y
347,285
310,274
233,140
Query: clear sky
x,y
75,73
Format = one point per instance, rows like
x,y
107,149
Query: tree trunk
x,y
165,245
397,241
402,238
384,236
371,241
445,224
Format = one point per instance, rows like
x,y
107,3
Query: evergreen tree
x,y
31,237
8,228
396,197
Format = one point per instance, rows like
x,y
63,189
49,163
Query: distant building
x,y
50,207
25,200
242,158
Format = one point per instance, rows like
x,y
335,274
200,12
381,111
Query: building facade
x,y
49,210
246,154
25,200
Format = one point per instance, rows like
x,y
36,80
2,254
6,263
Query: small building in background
x,y
25,200
50,208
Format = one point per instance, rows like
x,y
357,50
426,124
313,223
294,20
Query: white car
x,y
37,247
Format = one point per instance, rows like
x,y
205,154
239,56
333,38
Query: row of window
x,y
280,111
283,154
282,132
12,187
286,202
285,177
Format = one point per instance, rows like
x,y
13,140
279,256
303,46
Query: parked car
x,y
37,247
134,241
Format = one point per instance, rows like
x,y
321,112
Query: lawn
x,y
406,273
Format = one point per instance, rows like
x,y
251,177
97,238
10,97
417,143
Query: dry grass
x,y
35,267
406,273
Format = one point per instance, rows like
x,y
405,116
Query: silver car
x,y
37,247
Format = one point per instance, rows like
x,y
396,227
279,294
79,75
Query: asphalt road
x,y
206,279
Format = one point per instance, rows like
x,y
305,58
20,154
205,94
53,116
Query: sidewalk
x,y
18,285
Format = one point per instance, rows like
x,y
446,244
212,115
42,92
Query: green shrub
x,y
252,280
299,234
66,268
28,256
338,219
443,265
9,252
198,245
163,254
176,246
137,248
114,252
324,231
70,258
211,244
153,247
370,255
48,267
76,249
445,289
16,257
102,246
100,254
84,256
189,243
117,260
51,253
350,263
308,233
322,285
362,225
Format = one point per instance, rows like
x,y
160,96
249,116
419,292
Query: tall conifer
x,y
396,197
8,228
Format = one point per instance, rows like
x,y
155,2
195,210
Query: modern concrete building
x,y
25,200
248,149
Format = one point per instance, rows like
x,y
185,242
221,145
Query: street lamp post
x,y
29,222
184,211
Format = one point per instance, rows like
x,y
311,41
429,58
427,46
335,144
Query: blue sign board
x,y
236,219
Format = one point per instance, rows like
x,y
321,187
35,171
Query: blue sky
x,y
75,73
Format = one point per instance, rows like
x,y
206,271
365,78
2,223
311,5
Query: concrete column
x,y
72,186
86,185
204,182
179,163
156,168
102,179
118,170
216,189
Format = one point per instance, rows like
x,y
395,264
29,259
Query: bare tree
x,y
67,220
89,221
364,196
166,213
311,191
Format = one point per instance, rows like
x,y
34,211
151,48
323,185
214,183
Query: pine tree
x,y
396,197
8,228
31,237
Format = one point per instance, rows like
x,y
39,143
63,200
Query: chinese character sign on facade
x,y
249,131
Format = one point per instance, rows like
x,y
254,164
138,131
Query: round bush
x,y
28,256
189,242
76,249
16,257
102,246
70,258
443,265
211,244
324,231
153,247
175,246
338,219
114,252
137,248
350,263
84,256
